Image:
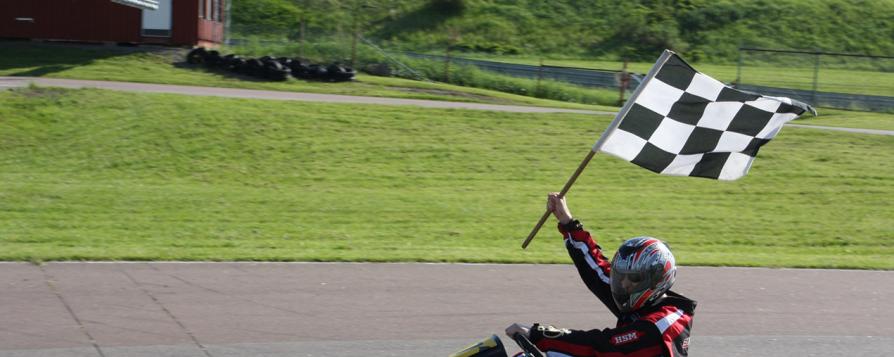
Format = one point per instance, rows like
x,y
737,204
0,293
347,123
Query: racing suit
x,y
661,329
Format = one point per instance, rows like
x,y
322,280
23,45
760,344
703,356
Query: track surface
x,y
352,309
14,82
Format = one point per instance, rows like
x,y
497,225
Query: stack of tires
x,y
270,68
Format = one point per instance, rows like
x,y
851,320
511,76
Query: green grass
x,y
167,66
100,175
849,119
639,29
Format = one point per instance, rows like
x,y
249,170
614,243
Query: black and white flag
x,y
681,122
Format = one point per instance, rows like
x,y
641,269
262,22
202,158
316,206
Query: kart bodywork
x,y
493,347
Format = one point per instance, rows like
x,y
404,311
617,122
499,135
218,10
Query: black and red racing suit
x,y
661,329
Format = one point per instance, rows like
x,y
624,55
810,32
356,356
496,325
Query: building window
x,y
201,9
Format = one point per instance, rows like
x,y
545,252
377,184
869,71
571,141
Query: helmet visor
x,y
628,288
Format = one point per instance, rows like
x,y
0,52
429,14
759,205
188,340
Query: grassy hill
x,y
91,174
709,30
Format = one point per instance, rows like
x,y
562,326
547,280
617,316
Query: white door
x,y
157,23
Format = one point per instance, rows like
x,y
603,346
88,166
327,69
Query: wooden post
x,y
453,37
447,65
624,82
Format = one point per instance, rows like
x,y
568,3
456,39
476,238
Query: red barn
x,y
174,22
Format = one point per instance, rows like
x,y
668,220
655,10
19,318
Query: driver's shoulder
x,y
673,312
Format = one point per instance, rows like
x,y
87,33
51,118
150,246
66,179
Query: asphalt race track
x,y
365,309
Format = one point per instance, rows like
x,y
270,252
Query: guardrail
x,y
872,103
610,79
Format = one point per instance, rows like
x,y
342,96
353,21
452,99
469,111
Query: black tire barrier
x,y
275,71
254,67
196,56
213,59
236,65
316,71
336,73
298,68
270,68
230,62
284,61
302,70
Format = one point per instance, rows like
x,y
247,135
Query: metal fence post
x,y
447,66
453,37
625,81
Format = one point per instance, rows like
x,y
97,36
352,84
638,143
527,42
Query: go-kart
x,y
493,347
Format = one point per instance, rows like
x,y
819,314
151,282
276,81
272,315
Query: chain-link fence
x,y
822,79
835,80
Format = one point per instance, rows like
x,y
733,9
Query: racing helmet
x,y
643,269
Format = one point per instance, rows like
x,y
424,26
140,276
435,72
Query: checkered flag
x,y
681,122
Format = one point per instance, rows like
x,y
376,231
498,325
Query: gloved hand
x,y
558,207
515,328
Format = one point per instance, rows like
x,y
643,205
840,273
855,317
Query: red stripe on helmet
x,y
647,243
642,299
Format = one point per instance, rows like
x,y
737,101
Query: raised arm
x,y
594,268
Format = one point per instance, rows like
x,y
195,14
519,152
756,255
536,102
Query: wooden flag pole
x,y
561,194
611,127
